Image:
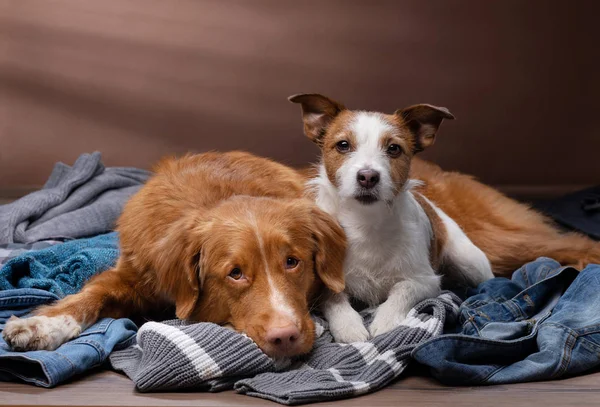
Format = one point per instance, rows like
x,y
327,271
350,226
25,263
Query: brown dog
x,y
226,238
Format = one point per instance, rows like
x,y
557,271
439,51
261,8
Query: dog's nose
x,y
367,178
283,338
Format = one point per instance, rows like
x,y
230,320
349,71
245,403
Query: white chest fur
x,y
388,259
387,243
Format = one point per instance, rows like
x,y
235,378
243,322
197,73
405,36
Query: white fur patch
x,y
387,262
278,301
403,296
368,129
40,332
468,260
387,245
345,324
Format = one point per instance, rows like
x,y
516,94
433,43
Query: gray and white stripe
x,y
178,355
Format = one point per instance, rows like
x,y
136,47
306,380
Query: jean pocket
x,y
99,328
506,331
94,337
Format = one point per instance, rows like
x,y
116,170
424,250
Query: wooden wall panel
x,y
137,79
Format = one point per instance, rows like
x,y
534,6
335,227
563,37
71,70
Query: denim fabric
x,y
542,324
56,272
61,269
45,368
88,350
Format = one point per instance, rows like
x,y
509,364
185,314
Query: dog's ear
x,y
317,113
178,262
424,120
331,249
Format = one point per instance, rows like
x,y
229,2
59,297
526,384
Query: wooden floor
x,y
105,388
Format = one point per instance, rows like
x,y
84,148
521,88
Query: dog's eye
x,y
394,150
342,146
291,262
236,273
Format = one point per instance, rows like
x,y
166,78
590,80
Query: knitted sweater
x,y
175,355
79,201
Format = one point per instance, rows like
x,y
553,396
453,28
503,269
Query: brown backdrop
x,y
137,79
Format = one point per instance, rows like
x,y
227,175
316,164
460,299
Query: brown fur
x,y
336,133
400,166
196,220
509,233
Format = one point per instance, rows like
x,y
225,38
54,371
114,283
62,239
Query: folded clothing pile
x,y
542,324
36,268
39,277
79,201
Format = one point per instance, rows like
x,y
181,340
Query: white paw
x,y
386,319
40,332
348,328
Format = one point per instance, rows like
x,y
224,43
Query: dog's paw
x,y
348,328
386,319
39,332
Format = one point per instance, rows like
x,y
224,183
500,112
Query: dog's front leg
x,y
346,325
403,296
110,294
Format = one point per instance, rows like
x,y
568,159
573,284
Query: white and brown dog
x,y
408,223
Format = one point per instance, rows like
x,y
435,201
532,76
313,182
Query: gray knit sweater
x,y
202,356
77,201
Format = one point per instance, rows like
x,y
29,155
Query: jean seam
x,y
23,301
567,354
515,310
576,331
589,345
473,339
557,274
42,363
95,345
489,376
62,356
25,378
101,329
127,342
471,321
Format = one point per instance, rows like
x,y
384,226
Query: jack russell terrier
x,y
407,222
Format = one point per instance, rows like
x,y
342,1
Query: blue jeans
x,y
542,324
49,368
